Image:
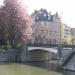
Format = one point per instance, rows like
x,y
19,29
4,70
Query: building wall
x,y
41,32
51,30
46,31
73,35
67,35
56,28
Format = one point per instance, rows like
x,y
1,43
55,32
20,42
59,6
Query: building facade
x,y
67,35
45,27
73,35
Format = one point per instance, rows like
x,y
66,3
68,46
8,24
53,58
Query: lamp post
x,y
60,42
60,27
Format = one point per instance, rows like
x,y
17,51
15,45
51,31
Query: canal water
x,y
22,69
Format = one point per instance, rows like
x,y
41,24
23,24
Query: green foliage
x,y
17,46
9,46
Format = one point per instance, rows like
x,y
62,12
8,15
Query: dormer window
x,y
40,12
37,18
44,15
49,18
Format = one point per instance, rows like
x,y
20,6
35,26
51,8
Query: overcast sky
x,y
64,7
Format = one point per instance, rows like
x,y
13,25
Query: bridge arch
x,y
41,53
42,49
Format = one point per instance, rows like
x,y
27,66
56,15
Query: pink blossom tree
x,y
15,23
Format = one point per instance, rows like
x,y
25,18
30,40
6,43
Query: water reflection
x,y
48,65
22,69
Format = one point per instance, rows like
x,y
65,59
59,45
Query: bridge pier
x,y
24,52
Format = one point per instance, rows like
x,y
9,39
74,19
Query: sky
x,y
65,8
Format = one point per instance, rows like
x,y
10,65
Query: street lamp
x,y
60,43
60,28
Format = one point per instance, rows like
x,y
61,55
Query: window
x,y
49,18
37,18
42,23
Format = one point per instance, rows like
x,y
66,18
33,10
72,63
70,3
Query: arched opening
x,y
38,55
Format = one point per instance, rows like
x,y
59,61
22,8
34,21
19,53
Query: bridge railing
x,y
50,45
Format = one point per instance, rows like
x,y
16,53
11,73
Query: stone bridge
x,y
44,53
41,53
54,50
